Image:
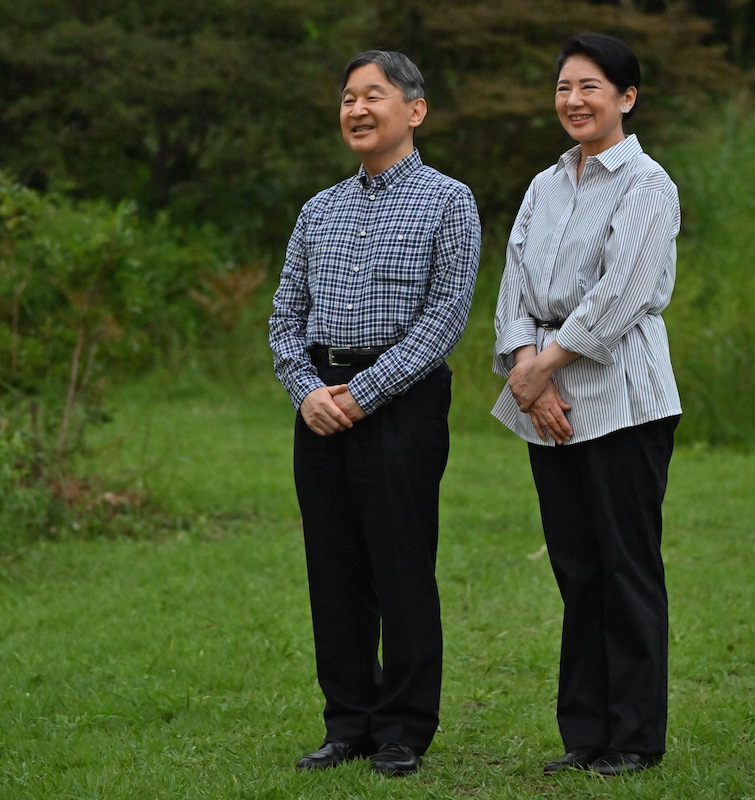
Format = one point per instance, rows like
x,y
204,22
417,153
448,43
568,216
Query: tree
x,y
225,111
490,69
733,22
209,109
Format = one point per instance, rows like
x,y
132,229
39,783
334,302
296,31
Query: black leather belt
x,y
549,324
350,356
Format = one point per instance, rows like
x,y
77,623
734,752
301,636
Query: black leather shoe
x,y
395,759
612,764
331,754
579,758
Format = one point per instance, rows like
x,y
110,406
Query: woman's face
x,y
589,106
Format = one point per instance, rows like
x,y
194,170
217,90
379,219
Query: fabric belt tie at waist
x,y
549,324
350,356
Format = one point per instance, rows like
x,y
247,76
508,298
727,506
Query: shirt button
x,y
349,307
356,269
363,233
401,237
372,197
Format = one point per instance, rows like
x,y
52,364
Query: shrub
x,y
710,317
26,505
88,293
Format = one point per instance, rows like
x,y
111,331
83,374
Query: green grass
x,y
180,664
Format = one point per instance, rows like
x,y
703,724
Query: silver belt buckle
x,y
332,357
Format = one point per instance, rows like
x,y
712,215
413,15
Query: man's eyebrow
x,y
376,86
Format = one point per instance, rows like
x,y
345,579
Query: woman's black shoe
x,y
612,764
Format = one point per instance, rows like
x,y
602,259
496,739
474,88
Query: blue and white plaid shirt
x,y
392,261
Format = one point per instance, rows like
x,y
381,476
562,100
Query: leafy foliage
x,y
201,108
733,22
90,279
491,68
88,293
709,319
226,111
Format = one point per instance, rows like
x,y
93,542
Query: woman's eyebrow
x,y
582,80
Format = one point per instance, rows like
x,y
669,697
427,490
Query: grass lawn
x,y
180,664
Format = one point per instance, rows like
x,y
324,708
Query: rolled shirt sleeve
x,y
640,268
514,325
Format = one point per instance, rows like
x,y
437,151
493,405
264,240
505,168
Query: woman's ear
x,y
628,100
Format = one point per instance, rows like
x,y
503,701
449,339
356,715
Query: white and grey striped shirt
x,y
601,255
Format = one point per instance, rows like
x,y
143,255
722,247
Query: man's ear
x,y
418,111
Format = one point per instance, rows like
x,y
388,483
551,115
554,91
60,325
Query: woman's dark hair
x,y
613,56
398,69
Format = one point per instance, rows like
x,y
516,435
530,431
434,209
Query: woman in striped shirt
x,y
590,266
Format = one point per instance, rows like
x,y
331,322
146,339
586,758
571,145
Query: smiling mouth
x,y
362,128
580,117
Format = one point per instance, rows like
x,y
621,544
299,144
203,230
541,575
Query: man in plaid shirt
x,y
374,294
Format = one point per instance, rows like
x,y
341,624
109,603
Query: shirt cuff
x,y
518,333
302,388
575,337
366,391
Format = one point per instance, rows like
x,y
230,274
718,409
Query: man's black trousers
x,y
601,508
369,504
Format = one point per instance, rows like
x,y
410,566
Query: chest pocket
x,y
401,264
330,256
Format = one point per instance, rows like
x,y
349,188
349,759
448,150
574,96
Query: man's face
x,y
376,122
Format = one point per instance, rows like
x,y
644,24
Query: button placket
x,y
361,247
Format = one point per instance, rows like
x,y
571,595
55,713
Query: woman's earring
x,y
624,109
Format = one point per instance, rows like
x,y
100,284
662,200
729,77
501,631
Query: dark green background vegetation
x,y
155,155
224,111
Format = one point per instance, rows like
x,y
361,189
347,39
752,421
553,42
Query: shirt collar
x,y
393,174
611,159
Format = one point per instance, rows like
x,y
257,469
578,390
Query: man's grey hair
x,y
398,69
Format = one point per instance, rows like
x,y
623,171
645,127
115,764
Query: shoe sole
x,y
395,772
627,769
